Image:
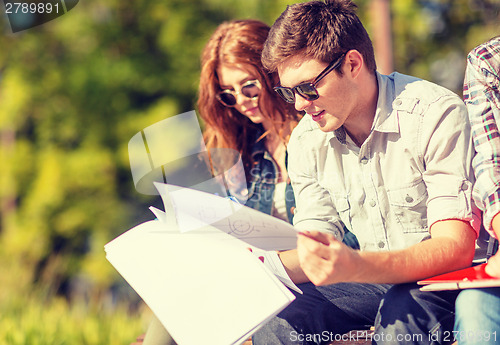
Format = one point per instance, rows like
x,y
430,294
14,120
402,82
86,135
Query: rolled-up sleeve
x,y
314,207
447,152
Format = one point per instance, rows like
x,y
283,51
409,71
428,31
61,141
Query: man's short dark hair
x,y
320,30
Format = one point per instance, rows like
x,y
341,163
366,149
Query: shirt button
x,y
409,199
398,102
464,186
381,244
372,203
364,160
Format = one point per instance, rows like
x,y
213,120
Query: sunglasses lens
x,y
286,93
250,90
227,99
308,91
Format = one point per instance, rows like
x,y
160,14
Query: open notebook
x,y
192,266
472,277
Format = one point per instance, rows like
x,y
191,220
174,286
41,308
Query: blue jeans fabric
x,y
402,314
478,316
336,308
410,316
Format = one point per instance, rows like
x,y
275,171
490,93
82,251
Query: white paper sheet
x,y
273,262
204,288
159,214
195,209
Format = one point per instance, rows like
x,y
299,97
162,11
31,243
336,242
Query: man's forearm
x,y
450,248
325,260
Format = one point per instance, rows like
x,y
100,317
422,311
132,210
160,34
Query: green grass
x,y
27,321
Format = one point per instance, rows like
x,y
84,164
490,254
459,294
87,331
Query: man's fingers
x,y
312,246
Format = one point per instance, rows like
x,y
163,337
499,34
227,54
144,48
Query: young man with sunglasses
x,y
389,157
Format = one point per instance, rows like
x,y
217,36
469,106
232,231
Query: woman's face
x,y
232,78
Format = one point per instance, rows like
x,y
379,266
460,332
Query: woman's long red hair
x,y
239,43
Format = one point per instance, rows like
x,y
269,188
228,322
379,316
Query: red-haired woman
x,y
241,111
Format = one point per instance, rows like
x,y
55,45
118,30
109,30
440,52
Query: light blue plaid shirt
x,y
482,98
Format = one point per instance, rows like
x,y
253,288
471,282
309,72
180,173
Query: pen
x,y
233,199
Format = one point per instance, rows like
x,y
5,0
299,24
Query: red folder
x,y
467,278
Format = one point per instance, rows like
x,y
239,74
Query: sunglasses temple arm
x,y
328,69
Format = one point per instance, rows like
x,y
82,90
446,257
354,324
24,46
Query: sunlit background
x,y
75,90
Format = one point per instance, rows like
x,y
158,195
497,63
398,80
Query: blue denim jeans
x,y
402,314
409,316
321,312
478,316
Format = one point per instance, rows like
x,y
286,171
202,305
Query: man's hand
x,y
324,259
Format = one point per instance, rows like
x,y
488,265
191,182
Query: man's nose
x,y
301,103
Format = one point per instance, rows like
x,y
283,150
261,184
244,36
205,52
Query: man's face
x,y
336,93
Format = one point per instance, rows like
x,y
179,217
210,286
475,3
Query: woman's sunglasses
x,y
250,89
308,90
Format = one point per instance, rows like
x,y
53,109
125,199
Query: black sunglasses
x,y
250,89
308,90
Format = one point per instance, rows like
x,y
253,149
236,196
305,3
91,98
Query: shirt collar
x,y
386,119
340,134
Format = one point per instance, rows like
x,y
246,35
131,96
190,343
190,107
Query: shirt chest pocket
x,y
343,209
409,207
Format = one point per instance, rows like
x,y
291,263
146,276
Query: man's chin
x,y
326,126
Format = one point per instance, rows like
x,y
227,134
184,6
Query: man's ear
x,y
353,62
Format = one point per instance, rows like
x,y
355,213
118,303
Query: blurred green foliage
x,y
28,321
75,90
